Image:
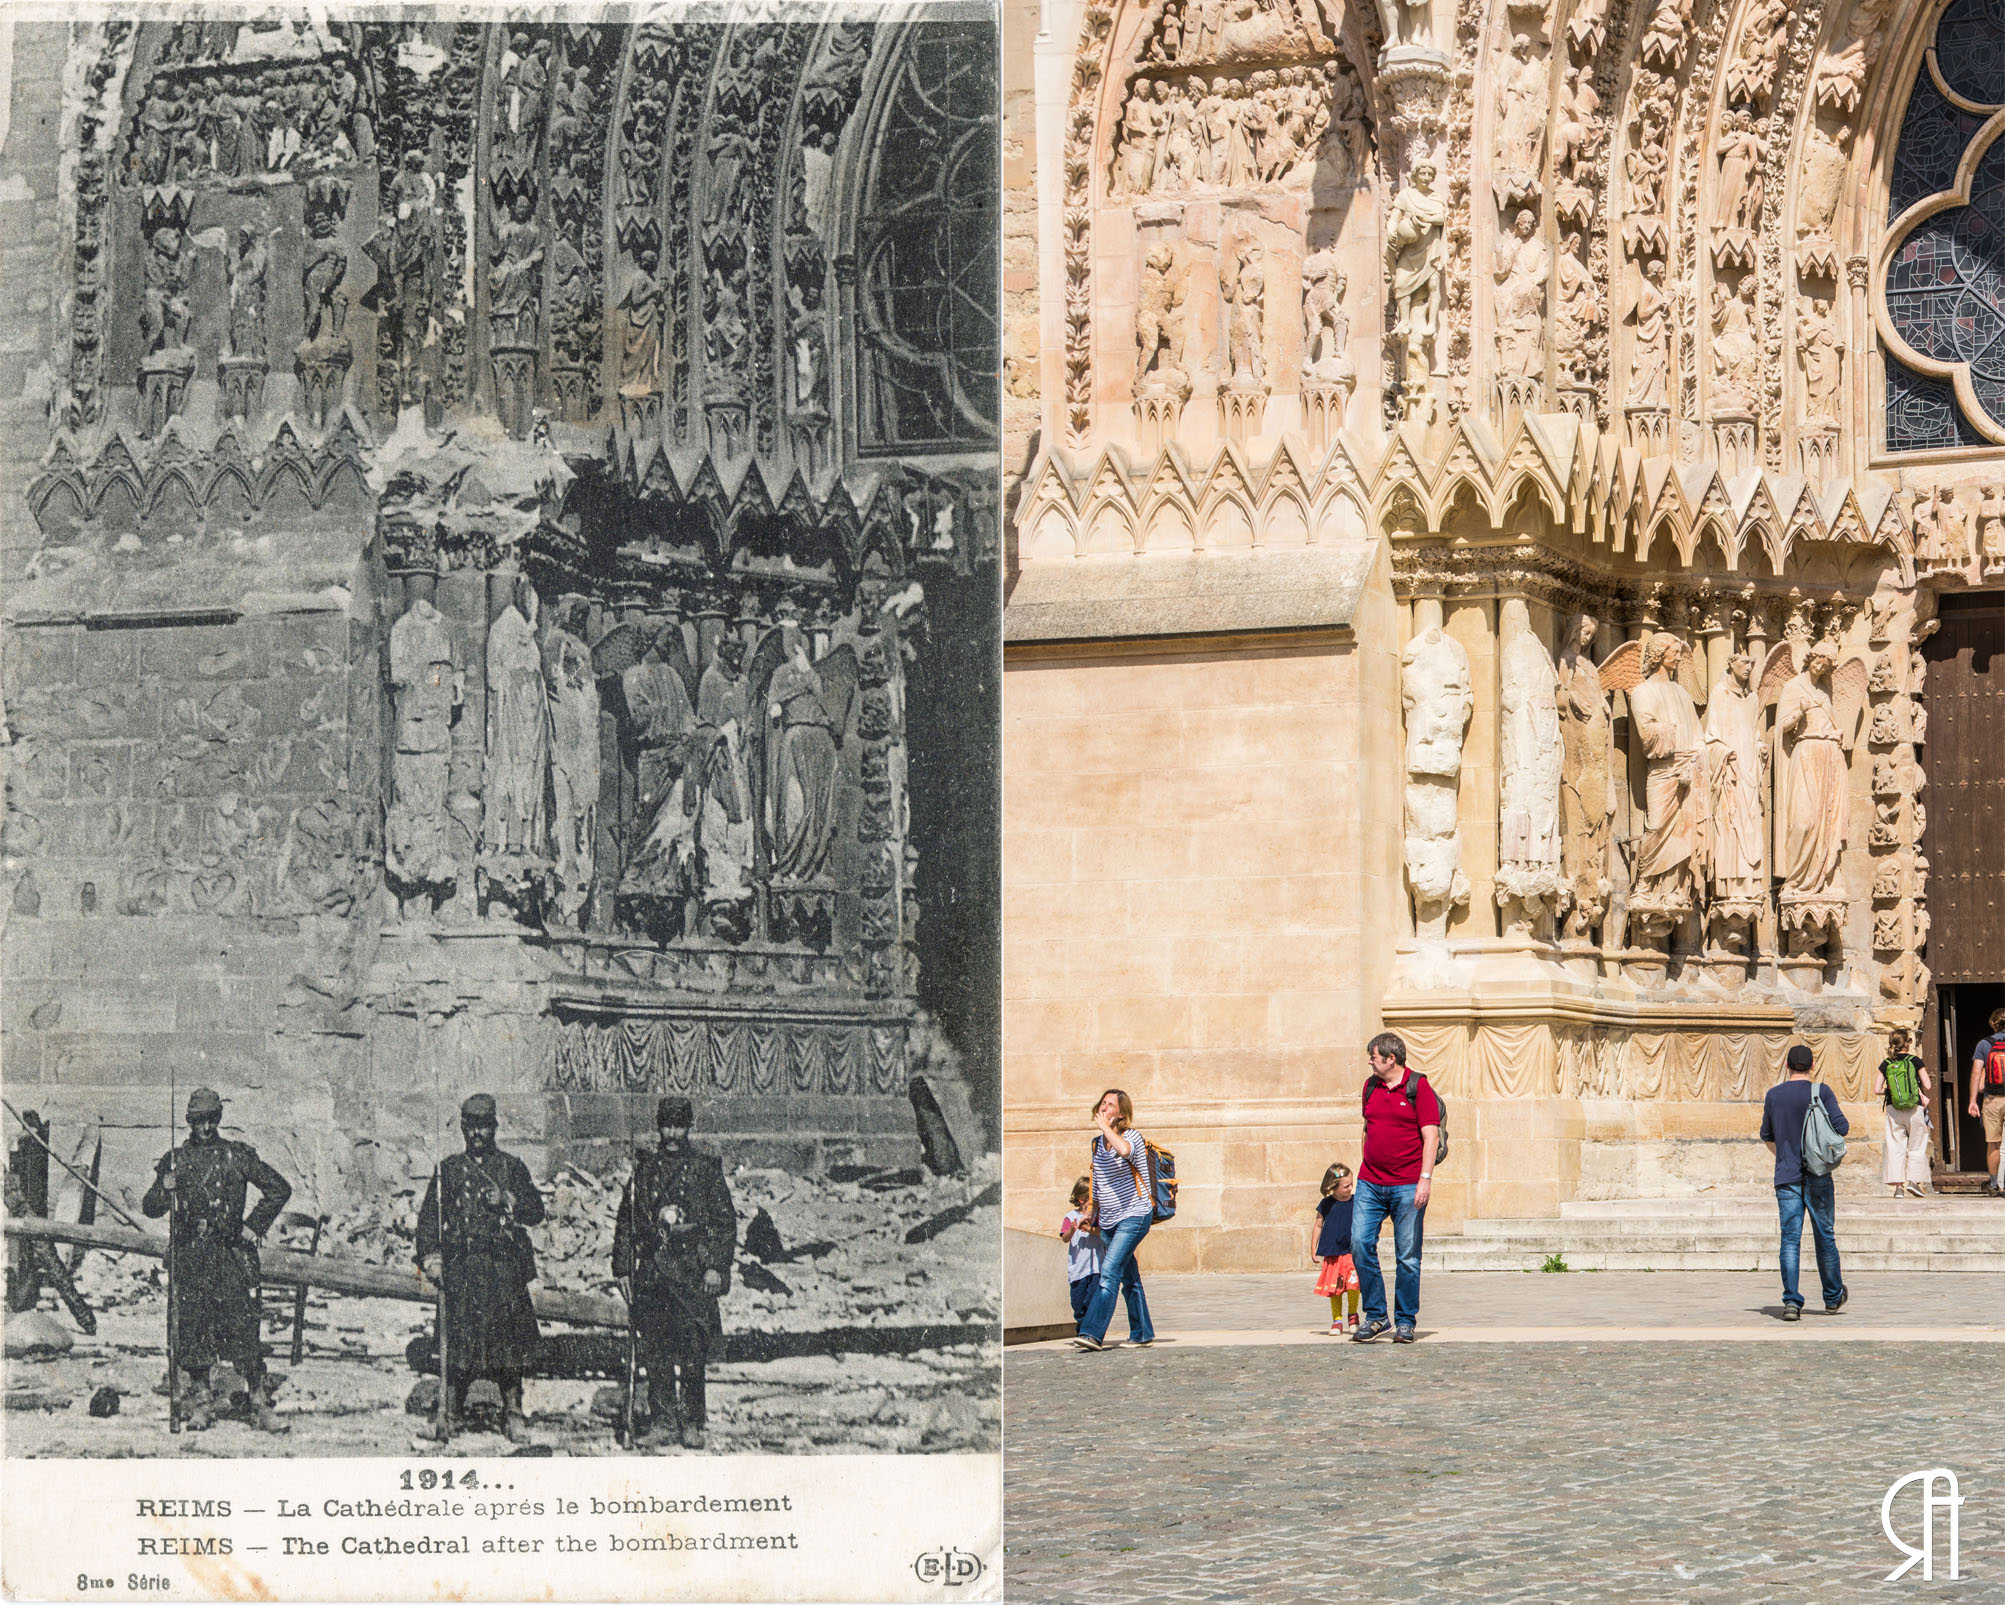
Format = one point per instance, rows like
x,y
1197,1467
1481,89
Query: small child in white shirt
x,y
1080,1232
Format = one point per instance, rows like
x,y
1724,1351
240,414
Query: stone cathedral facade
x,y
501,541
1497,469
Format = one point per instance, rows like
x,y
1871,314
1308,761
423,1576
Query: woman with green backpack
x,y
1904,1092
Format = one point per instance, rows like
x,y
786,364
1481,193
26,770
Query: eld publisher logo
x,y
1931,1501
950,1568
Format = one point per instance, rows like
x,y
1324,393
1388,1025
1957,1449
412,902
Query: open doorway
x,y
1964,847
1964,1014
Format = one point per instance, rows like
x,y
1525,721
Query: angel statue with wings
x,y
692,828
1816,716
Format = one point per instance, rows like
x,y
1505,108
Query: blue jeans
x,y
1790,1197
1120,1275
1082,1295
1369,1208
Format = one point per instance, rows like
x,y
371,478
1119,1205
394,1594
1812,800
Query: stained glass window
x,y
1922,414
1945,284
928,263
1970,50
1933,135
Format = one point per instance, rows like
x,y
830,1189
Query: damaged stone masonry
x,y
500,586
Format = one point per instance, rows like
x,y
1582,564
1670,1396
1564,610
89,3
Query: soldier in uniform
x,y
672,1249
472,1242
215,1307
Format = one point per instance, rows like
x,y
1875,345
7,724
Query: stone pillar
x,y
1862,374
1473,623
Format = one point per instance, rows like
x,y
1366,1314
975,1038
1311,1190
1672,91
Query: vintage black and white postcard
x,y
500,912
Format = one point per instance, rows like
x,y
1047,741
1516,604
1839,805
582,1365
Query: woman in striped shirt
x,y
1123,1199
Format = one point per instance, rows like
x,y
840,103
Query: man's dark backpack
x,y
1412,1091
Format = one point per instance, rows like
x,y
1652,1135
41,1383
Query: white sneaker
x,y
1336,1329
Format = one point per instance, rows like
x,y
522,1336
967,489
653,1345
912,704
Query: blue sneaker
x,y
1402,1333
1371,1330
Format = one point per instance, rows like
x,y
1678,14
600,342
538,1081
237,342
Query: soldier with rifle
x,y
672,1250
472,1244
213,1309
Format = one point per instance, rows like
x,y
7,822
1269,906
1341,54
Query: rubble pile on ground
x,y
843,1259
860,1247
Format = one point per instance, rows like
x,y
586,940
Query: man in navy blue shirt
x,y
1783,1112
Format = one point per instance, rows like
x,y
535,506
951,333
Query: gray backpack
x,y
1823,1148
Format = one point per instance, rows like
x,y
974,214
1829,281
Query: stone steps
x,y
1934,1234
1448,1254
1874,1203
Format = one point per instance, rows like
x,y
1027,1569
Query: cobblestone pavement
x,y
1632,1474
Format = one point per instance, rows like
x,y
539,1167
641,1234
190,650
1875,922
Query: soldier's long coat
x,y
676,1221
215,1267
488,1263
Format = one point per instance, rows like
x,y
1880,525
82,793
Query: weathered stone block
x,y
36,656
107,657
1167,1251
304,643
1252,1248
196,652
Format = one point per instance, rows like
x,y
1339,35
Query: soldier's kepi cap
x,y
479,1107
675,1112
202,1101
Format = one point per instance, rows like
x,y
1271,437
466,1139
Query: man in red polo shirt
x,y
1402,1123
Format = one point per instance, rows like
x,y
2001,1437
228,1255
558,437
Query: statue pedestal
x,y
1412,64
1804,974
729,418
163,385
1578,400
1735,443
1732,971
1518,394
1818,447
1323,404
514,387
243,385
1649,428
1240,410
1644,966
1158,410
322,367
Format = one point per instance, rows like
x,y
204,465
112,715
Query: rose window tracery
x,y
926,256
1944,282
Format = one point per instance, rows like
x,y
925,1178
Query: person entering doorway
x,y
1987,1097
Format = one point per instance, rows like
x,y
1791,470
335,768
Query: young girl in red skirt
x,y
1339,1279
